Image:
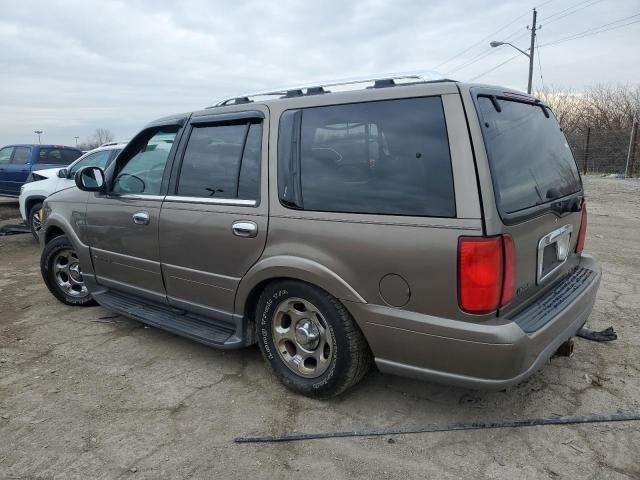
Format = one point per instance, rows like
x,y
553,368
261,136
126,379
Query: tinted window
x,y
21,155
57,156
531,162
5,155
388,157
222,161
98,159
142,173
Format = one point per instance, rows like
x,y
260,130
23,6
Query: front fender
x,y
286,266
54,219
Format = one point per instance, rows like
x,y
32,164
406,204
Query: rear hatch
x,y
537,187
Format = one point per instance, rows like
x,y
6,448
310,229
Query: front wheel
x,y
310,340
33,219
61,272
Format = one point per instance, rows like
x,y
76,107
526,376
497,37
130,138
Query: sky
x,y
69,67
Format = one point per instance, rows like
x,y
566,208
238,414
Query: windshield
x,y
531,162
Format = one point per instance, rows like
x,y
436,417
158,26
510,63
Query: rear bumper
x,y
490,355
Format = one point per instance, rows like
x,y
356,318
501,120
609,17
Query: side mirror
x,y
62,173
90,179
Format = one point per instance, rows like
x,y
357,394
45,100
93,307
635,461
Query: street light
x,y
76,140
38,132
528,55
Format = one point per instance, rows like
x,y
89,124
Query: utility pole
x,y
532,50
632,145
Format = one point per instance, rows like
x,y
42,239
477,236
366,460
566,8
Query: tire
x,y
61,273
32,221
296,319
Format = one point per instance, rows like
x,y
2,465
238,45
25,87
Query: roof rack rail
x,y
318,88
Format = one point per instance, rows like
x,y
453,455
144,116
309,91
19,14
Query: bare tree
x,y
603,116
100,136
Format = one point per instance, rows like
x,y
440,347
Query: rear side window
x,y
386,157
21,155
222,161
530,159
57,156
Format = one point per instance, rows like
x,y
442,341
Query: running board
x,y
171,320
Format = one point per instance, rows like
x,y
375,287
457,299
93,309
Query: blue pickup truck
x,y
18,161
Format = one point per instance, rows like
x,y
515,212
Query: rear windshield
x,y
58,156
531,162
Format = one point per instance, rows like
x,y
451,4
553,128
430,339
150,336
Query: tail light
x,y
583,229
486,273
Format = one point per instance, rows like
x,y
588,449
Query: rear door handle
x,y
245,229
141,218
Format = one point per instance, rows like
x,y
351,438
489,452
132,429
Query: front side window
x,y
387,157
21,155
222,161
142,173
5,155
98,159
57,156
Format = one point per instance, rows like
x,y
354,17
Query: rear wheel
x,y
310,340
62,274
33,219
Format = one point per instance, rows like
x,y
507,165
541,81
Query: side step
x,y
178,322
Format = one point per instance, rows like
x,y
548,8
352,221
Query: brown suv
x,y
434,227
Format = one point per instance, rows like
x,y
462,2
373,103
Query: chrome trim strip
x,y
212,201
132,196
560,234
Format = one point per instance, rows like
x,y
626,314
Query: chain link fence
x,y
601,150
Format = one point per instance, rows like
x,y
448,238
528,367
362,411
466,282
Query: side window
x,y
222,161
142,172
57,156
21,155
98,159
385,157
5,155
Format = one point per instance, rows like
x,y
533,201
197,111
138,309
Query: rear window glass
x,y
387,157
58,156
531,162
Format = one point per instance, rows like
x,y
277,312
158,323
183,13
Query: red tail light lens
x,y
486,273
583,229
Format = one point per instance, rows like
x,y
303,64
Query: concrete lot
x,y
87,395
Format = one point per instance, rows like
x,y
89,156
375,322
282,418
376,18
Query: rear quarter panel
x,y
359,250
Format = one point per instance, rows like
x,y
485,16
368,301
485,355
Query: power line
x,y
485,38
572,12
482,55
594,30
577,6
495,67
539,62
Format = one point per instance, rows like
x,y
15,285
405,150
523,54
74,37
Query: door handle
x,y
141,218
245,229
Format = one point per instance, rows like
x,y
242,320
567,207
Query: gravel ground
x,y
85,394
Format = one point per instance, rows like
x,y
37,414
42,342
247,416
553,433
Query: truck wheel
x,y
310,340
33,219
61,272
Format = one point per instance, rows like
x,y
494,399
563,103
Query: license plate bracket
x,y
555,243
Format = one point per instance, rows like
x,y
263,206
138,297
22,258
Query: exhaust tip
x,y
565,349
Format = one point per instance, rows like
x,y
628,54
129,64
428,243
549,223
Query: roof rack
x,y
318,88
